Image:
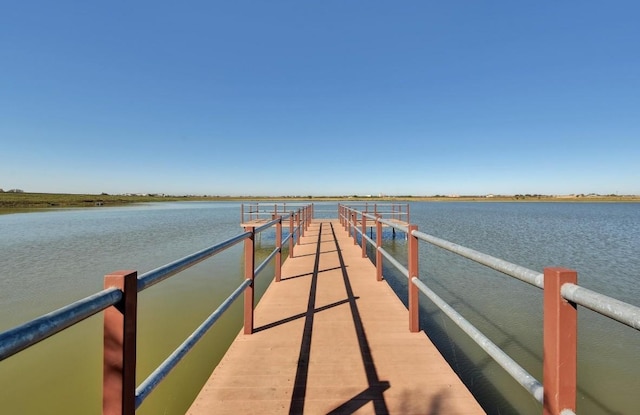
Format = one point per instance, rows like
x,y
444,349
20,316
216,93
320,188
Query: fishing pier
x,y
329,335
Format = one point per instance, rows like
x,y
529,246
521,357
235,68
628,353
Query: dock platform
x,y
330,339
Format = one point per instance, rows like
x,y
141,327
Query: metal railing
x,y
561,295
390,211
119,302
263,211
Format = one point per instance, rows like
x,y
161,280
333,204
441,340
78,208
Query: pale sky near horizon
x,y
320,98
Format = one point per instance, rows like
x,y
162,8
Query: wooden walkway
x,y
330,339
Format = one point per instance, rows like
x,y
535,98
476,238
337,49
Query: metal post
x,y
119,355
354,219
305,217
414,319
249,268
364,232
344,217
298,230
560,343
378,246
291,235
345,212
278,259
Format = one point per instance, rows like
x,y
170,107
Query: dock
x,y
331,339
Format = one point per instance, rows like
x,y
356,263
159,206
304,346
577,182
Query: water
x,y
52,258
49,259
600,241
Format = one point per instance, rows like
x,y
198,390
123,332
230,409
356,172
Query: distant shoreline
x,y
10,201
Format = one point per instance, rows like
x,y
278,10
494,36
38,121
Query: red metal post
x,y
306,218
291,235
249,268
364,232
119,355
560,343
414,319
378,245
344,217
345,211
307,211
354,218
278,270
298,227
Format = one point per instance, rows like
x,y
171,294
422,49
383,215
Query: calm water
x,y
49,259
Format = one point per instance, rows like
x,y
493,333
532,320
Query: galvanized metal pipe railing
x,y
26,335
119,392
276,250
162,371
153,277
607,306
560,319
256,210
154,379
525,379
395,211
524,274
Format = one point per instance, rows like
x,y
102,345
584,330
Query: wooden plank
x,y
331,339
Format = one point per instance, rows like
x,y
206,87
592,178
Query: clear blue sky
x,y
320,97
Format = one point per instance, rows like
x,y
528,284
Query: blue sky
x,y
320,98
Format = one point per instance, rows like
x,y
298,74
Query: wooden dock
x,y
330,339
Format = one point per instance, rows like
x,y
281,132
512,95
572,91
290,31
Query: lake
x,y
55,257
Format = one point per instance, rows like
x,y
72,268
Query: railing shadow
x,y
456,356
307,274
298,316
304,255
302,369
374,392
509,340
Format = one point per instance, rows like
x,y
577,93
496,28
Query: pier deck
x,y
330,339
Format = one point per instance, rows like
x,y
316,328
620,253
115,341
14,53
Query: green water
x,y
49,259
63,375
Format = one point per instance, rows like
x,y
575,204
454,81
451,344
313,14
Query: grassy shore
x,y
27,201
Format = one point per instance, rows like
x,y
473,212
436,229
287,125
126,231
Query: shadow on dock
x,y
374,393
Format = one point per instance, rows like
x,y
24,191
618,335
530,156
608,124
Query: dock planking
x,y
330,339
